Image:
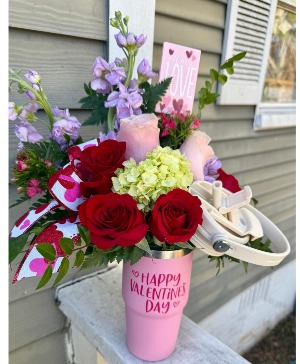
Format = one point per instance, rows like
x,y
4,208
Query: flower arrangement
x,y
123,194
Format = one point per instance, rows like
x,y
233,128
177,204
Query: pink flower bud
x,y
141,135
196,149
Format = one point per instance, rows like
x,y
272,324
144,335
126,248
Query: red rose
x,y
103,158
113,219
175,216
228,181
98,165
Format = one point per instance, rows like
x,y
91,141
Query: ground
x,y
278,347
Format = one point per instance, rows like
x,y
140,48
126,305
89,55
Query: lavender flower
x,y
111,135
101,86
211,169
69,126
12,111
26,132
127,102
33,77
28,112
144,71
106,74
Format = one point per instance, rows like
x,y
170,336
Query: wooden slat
x,y
86,19
32,318
64,63
203,12
247,146
48,350
266,173
187,34
251,162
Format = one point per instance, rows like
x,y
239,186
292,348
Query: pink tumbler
x,y
155,291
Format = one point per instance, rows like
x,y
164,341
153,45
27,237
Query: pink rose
x,y
141,134
196,149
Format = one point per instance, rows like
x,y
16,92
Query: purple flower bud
x,y
33,77
130,37
121,40
140,40
145,71
30,95
12,111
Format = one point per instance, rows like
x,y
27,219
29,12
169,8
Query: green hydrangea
x,y
163,170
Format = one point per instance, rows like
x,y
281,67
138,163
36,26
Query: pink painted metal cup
x,y
155,291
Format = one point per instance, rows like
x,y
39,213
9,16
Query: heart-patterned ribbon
x,y
64,188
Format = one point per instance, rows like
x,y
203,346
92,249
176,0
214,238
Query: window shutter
x,y
248,28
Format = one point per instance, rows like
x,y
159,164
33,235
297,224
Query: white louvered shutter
x,y
248,28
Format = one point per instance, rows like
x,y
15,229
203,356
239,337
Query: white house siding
x,y
264,160
61,39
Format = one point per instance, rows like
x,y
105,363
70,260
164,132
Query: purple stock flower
x,y
127,102
144,71
111,135
101,86
12,111
130,41
33,77
106,74
69,126
211,169
26,132
28,112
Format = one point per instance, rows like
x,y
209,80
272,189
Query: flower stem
x,y
131,61
110,118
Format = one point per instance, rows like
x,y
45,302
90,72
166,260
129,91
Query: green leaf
x,y
227,64
230,70
47,251
63,270
95,102
208,85
203,92
79,258
45,278
84,233
16,245
153,94
222,79
136,255
67,245
238,56
143,244
185,245
211,98
97,258
254,201
214,75
245,264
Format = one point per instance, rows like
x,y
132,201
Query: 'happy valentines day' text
x,y
160,290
